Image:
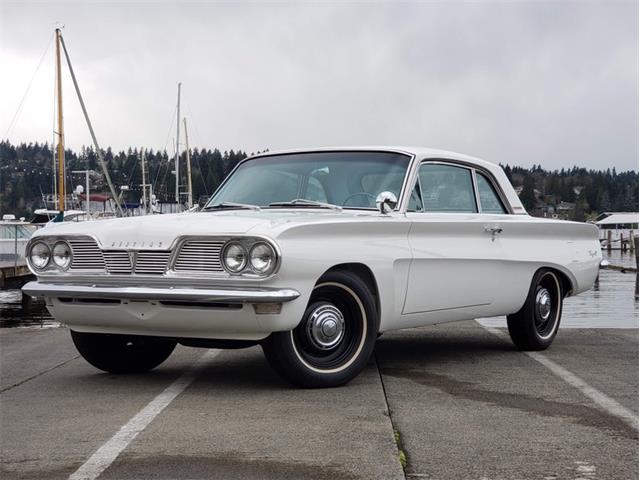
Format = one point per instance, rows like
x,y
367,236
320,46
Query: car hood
x,y
160,231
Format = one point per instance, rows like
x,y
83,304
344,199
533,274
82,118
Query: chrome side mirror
x,y
386,202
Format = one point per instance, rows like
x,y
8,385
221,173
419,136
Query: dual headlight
x,y
258,258
43,256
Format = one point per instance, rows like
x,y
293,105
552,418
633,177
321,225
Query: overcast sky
x,y
553,82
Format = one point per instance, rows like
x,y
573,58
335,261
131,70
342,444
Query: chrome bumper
x,y
230,295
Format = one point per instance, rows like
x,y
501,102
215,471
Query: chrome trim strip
x,y
476,192
220,294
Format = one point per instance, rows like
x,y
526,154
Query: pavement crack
x,y
582,414
21,382
397,436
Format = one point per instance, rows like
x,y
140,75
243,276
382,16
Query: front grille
x,y
199,256
147,262
86,254
152,262
117,261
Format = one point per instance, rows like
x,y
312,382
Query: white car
x,y
313,254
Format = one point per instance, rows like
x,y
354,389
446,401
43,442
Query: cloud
x,y
551,83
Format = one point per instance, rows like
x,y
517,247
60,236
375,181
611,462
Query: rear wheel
x,y
535,326
122,353
334,339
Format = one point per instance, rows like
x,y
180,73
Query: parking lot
x,y
454,401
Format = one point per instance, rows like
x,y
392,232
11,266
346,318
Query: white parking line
x,y
107,453
605,402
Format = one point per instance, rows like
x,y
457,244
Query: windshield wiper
x,y
233,205
303,202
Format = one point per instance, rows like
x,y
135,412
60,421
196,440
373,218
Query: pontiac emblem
x,y
127,244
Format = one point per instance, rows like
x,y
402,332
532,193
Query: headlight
x,y
62,255
234,257
40,255
262,258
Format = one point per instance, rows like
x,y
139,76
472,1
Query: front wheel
x,y
122,353
535,326
335,338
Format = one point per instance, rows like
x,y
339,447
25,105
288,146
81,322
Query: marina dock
x,y
14,274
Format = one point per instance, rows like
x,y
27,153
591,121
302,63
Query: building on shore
x,y
617,228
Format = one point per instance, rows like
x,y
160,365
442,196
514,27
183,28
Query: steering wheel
x,y
362,194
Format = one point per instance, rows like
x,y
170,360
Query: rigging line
x,y
93,135
173,116
133,172
161,165
166,143
14,119
199,139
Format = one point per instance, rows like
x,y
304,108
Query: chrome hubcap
x,y
325,326
543,303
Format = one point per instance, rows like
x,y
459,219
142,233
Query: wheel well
x,y
565,281
364,273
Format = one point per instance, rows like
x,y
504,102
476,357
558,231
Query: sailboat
x,y
189,202
59,211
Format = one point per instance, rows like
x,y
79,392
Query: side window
x,y
489,200
447,188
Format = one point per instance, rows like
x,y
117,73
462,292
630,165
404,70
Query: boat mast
x,y
177,156
144,183
61,188
54,177
190,189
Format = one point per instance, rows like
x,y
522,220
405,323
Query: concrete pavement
x,y
465,405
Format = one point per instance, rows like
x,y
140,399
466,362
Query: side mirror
x,y
386,202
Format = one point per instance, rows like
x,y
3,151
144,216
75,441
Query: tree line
x,y
26,173
589,191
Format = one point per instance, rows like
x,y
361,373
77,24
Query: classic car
x,y
313,254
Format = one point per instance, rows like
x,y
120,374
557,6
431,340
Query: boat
x,y
55,205
14,235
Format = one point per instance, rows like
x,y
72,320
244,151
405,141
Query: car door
x,y
456,249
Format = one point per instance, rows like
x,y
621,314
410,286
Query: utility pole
x,y
177,157
190,189
86,191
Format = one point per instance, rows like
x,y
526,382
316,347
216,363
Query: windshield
x,y
347,179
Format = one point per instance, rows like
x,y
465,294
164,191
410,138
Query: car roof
x,y
422,152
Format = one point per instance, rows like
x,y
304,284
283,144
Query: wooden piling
x,y
609,238
635,249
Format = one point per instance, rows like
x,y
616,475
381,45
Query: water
x,y
14,314
610,304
